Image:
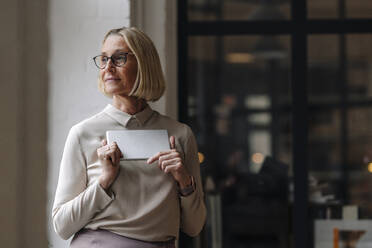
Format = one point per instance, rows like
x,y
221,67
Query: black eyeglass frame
x,y
113,59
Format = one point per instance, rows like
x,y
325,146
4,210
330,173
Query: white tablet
x,y
139,144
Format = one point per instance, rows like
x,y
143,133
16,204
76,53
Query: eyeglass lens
x,y
117,59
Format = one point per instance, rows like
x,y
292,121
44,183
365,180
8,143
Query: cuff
x,y
102,196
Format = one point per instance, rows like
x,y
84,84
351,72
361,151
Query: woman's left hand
x,y
171,162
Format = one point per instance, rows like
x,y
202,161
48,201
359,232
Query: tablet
x,y
139,144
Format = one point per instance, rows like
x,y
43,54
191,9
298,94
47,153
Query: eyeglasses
x,y
118,59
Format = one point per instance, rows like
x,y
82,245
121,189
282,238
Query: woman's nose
x,y
109,65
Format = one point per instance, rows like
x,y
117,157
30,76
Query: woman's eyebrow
x,y
121,51
116,51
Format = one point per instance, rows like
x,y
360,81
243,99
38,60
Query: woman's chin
x,y
116,89
116,92
113,89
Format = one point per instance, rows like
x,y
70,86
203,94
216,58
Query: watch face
x,y
189,189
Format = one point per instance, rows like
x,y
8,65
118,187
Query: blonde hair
x,y
150,83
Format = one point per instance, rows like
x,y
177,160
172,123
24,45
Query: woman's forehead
x,y
114,43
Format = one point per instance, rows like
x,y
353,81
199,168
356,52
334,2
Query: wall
x,y
23,126
158,19
76,32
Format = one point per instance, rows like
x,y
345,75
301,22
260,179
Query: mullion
x,y
319,26
182,55
300,141
344,106
299,34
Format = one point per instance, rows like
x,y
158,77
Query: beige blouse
x,y
145,203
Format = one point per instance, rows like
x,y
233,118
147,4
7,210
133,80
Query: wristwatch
x,y
189,189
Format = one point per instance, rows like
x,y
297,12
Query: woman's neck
x,y
128,104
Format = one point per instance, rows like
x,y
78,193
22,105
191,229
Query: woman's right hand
x,y
109,156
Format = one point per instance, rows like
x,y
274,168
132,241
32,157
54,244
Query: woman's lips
x,y
107,80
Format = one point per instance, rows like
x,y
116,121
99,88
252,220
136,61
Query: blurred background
x,y
277,93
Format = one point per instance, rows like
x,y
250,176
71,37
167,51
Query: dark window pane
x,y
340,140
358,9
324,141
358,66
323,9
212,10
239,107
359,160
332,9
323,66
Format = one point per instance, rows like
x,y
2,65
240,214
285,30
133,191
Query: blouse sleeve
x,y
193,211
75,204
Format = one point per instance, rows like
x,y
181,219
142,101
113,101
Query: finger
x,y
118,155
172,141
157,156
106,157
169,162
116,151
110,154
113,157
115,146
172,167
169,156
101,151
152,159
104,142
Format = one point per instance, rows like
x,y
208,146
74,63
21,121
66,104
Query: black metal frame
x,y
318,26
298,27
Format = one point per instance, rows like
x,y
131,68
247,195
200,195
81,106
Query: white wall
x,y
76,31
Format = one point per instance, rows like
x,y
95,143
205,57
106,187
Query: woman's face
x,y
118,80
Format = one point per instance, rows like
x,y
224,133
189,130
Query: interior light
x,y
240,58
201,157
370,167
257,158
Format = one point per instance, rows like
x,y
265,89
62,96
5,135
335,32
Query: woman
x,y
113,203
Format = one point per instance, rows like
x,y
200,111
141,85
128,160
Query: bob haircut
x,y
150,83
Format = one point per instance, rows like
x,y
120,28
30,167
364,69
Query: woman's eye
x,y
104,59
120,58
